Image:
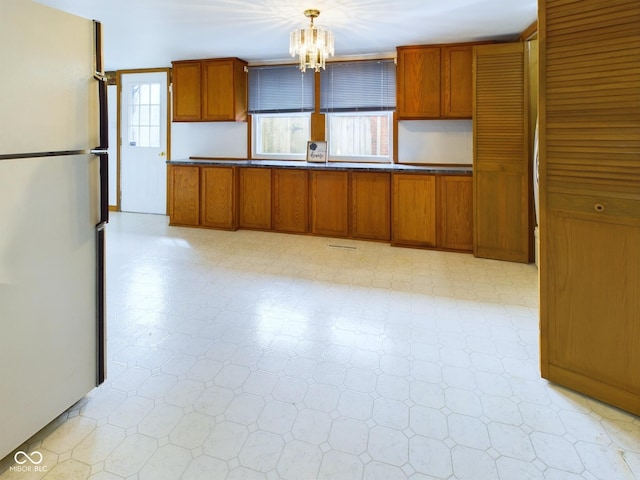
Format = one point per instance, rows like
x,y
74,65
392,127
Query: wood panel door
x,y
186,77
329,203
590,198
455,212
414,210
184,195
457,81
371,205
254,202
418,82
218,202
290,200
502,176
224,90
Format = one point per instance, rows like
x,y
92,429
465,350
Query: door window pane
x,y
144,115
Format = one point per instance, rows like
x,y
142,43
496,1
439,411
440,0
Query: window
x,y
144,115
360,136
280,135
281,99
358,99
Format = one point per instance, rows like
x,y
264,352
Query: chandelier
x,y
314,45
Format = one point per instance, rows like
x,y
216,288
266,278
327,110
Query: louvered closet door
x,y
501,172
590,197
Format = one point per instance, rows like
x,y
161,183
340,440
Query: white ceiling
x,y
152,33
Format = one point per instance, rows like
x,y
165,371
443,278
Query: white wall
x,y
435,141
419,141
208,139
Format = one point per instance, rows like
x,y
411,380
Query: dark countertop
x,y
383,167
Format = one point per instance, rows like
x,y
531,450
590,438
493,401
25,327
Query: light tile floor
x,y
252,355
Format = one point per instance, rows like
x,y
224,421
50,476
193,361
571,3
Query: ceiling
x,y
152,33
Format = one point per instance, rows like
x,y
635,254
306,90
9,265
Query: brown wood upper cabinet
x,y
209,90
456,84
187,80
434,82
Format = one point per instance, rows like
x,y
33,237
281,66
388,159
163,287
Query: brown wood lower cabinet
x,y
414,210
371,205
290,200
455,212
409,209
184,195
254,201
502,211
329,196
218,190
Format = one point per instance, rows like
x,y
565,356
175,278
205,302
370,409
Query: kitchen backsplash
x,y
435,141
419,141
209,139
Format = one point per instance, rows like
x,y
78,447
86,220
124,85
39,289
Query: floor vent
x,y
343,247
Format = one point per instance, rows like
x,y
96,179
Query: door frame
x,y
119,74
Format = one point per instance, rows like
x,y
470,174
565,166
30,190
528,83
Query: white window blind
x,y
358,86
280,89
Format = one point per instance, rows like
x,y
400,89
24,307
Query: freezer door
x,y
49,96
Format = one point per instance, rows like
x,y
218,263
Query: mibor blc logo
x,y
26,462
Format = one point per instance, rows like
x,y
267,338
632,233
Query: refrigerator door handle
x,y
102,150
104,186
101,308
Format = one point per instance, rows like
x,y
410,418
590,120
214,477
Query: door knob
x,y
162,154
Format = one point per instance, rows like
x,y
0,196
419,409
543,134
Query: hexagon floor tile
x,y
258,355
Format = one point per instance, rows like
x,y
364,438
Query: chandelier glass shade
x,y
313,44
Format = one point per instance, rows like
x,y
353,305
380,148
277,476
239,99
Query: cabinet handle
x,y
598,207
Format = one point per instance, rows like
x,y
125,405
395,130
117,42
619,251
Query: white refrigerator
x,y
53,211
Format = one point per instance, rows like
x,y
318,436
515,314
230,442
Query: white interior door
x,y
143,148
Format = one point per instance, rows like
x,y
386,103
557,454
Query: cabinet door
x,y
590,198
501,212
502,172
329,203
184,195
224,90
290,200
455,212
218,197
186,80
418,82
371,205
414,210
254,207
457,81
